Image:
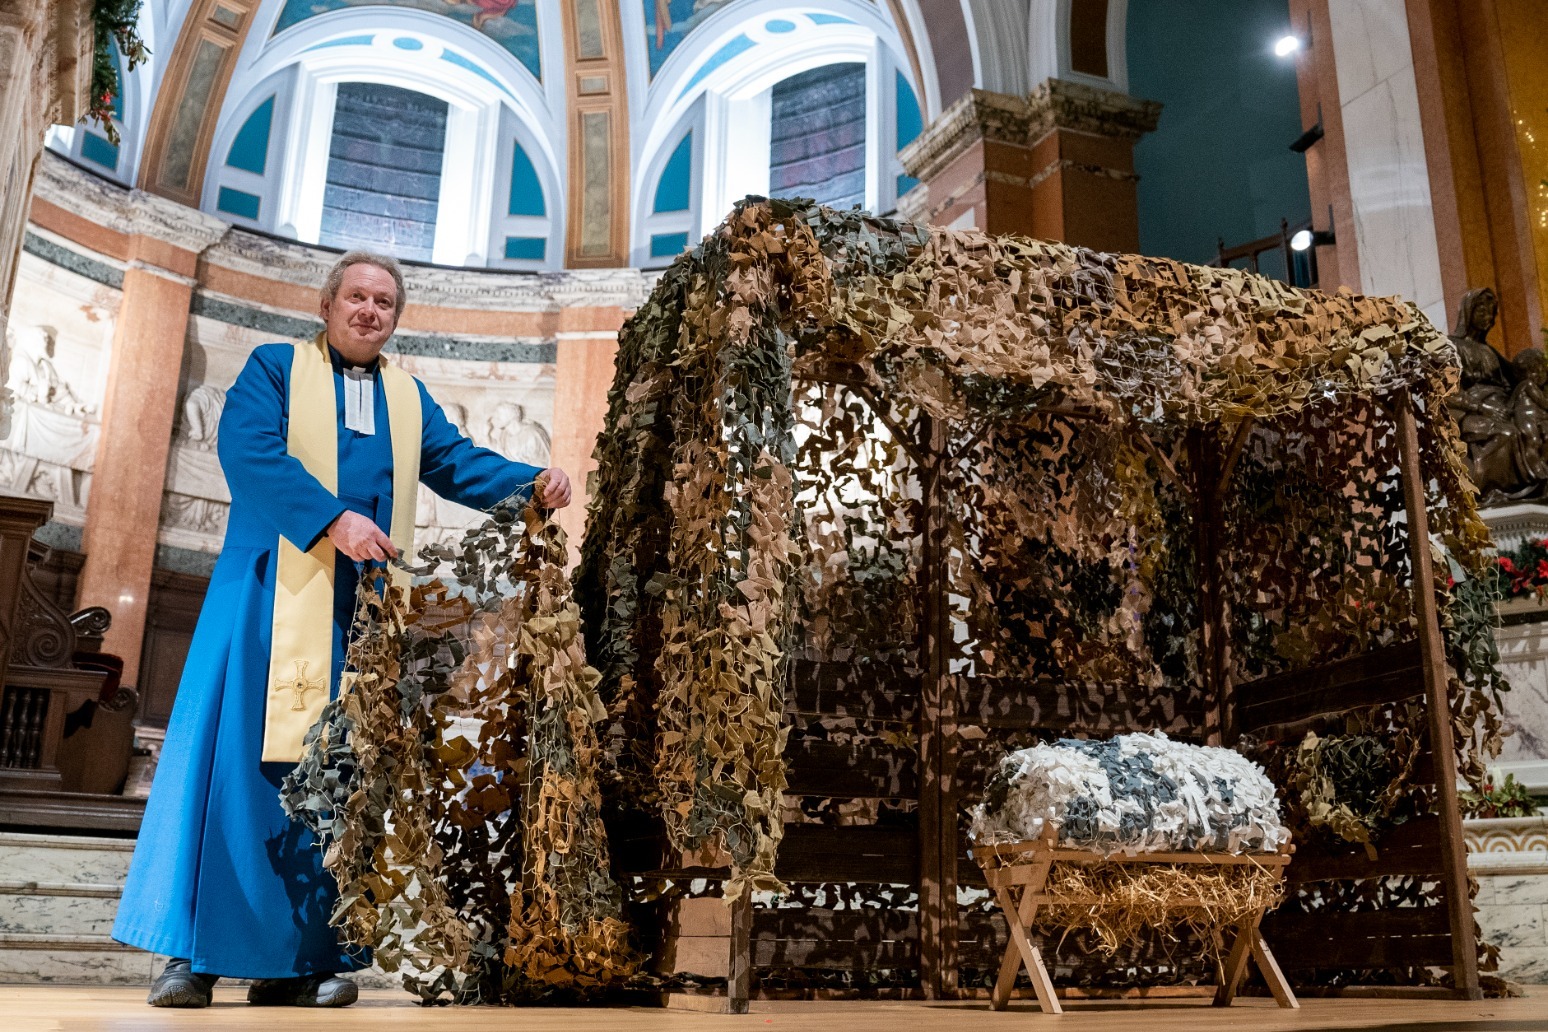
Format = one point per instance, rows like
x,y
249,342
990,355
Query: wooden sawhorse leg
x,y
1249,942
1019,951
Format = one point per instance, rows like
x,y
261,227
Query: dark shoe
x,y
179,985
307,991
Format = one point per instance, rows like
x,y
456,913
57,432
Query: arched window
x,y
817,139
385,159
241,195
762,97
523,231
670,222
398,128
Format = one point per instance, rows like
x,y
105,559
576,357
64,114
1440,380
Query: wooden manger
x,y
1018,874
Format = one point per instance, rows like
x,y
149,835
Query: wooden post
x,y
1236,962
1019,951
1464,949
739,981
937,733
1205,460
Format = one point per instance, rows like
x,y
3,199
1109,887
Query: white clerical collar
x,y
359,399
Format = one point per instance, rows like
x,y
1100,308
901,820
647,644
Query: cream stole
x,y
301,655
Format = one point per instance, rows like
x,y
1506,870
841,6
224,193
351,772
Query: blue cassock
x,y
220,875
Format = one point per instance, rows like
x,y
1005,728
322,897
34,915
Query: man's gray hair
x,y
384,262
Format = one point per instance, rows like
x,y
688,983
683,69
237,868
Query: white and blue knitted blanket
x,y
1139,793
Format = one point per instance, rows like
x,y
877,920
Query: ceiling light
x,y
1287,45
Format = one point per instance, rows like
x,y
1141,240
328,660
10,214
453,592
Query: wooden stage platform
x,y
96,1009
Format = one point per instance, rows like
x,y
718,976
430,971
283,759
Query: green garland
x,y
113,21
1522,572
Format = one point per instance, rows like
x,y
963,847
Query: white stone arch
x,y
928,88
1048,45
486,107
729,105
281,86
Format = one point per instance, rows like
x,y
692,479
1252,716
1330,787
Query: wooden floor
x,y
93,1009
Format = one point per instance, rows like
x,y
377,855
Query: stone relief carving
x,y
35,377
200,423
516,437
52,442
505,429
197,500
200,516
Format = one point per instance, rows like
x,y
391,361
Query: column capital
x,y
601,288
981,115
169,222
134,213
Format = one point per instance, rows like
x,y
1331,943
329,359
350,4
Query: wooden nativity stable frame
x,y
938,768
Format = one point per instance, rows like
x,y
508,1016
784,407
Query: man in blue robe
x,y
222,881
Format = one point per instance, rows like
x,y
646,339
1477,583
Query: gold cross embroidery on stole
x,y
300,685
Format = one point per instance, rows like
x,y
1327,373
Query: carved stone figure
x,y
36,379
1502,408
197,500
200,427
514,436
51,442
199,515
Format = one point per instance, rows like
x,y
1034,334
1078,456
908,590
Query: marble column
x,y
582,377
1479,126
1057,164
123,513
1381,125
1327,160
45,51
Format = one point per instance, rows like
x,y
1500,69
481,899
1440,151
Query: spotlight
x,y
1287,44
1307,239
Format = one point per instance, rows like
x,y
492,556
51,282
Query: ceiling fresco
x,y
510,23
668,23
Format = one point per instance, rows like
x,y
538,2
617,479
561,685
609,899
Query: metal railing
x,y
1299,268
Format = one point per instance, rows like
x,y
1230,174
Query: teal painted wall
x,y
1220,163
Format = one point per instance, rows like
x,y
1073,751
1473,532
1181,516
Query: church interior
x,y
1324,182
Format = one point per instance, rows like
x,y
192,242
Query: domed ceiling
x,y
520,134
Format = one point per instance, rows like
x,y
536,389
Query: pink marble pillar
x,y
123,512
583,375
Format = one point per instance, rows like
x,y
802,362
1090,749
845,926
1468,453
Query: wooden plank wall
x,y
1395,937
882,696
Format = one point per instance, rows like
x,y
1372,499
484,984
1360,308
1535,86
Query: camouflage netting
x,y
802,387
453,782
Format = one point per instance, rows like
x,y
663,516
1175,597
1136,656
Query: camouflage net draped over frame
x,y
453,782
793,382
